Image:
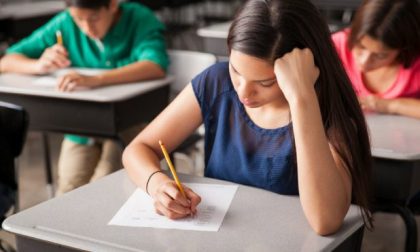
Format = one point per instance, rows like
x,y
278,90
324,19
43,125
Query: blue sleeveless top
x,y
236,149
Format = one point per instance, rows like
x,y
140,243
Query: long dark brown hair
x,y
396,23
268,29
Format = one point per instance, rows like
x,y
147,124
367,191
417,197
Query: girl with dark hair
x,y
280,115
381,54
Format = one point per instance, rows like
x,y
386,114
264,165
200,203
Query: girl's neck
x,y
270,116
380,80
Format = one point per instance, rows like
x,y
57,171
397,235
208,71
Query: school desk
x,y
101,112
395,144
257,220
214,37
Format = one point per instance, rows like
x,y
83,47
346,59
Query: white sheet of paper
x,y
83,71
138,210
46,81
50,81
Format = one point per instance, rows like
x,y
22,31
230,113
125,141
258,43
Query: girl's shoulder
x,y
415,71
214,80
212,83
218,71
340,41
416,66
340,38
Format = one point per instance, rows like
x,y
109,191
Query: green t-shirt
x,y
137,36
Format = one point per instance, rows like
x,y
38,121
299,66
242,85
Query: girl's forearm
x,y
324,197
140,162
405,106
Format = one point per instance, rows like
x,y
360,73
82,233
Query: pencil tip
x,y
160,142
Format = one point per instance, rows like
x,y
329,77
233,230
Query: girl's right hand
x,y
296,74
170,202
52,58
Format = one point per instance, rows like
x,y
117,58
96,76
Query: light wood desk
x,y
214,37
103,112
257,220
395,144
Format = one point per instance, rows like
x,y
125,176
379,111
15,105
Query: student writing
x,y
125,38
280,115
381,54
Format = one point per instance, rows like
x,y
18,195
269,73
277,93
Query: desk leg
x,y
48,170
352,243
25,244
410,224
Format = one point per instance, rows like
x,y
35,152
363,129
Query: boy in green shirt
x,y
125,37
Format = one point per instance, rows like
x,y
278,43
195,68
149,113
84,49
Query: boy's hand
x,y
296,74
53,58
170,202
73,80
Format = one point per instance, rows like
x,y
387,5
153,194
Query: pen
x,y
59,37
172,168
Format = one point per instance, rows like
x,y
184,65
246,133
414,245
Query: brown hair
x,y
268,29
396,23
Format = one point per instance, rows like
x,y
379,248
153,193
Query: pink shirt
x,y
407,83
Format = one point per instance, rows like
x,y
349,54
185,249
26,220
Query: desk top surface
x,y
394,137
221,30
257,220
21,10
23,84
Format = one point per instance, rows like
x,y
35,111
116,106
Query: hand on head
x,y
53,58
170,202
296,74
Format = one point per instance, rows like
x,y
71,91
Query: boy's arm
x,y
22,57
143,70
52,58
17,63
150,62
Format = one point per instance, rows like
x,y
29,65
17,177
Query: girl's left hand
x,y
73,80
375,104
296,74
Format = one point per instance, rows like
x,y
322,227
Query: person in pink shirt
x,y
381,54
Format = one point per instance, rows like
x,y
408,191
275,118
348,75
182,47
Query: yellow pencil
x,y
59,37
172,168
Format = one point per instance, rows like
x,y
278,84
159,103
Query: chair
x,y
13,126
185,65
